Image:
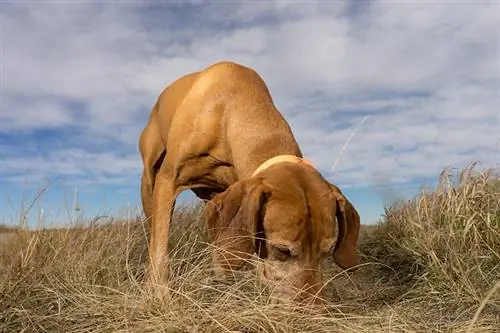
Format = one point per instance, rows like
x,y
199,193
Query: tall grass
x,y
431,265
444,247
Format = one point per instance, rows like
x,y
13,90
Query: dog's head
x,y
287,215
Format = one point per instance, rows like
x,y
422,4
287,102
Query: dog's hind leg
x,y
165,193
147,184
152,153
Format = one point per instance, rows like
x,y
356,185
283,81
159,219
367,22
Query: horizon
x,y
78,81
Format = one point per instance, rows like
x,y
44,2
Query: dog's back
x,y
232,104
225,111
220,83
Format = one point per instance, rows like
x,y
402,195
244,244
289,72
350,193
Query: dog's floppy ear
x,y
345,251
234,219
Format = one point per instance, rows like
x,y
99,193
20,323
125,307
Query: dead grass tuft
x,y
432,265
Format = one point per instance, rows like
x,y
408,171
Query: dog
x,y
218,133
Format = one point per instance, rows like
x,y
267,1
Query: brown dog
x,y
218,133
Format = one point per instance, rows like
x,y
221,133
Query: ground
x,y
430,265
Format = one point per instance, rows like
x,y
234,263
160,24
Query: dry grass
x,y
432,265
7,229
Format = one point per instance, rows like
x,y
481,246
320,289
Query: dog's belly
x,y
205,182
206,193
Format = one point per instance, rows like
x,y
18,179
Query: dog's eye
x,y
282,253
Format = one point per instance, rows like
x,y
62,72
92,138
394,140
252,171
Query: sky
x,y
78,80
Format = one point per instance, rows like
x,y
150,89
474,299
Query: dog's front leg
x,y
164,197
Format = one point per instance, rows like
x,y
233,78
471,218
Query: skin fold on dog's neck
x,y
280,159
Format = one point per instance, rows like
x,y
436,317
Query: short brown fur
x,y
208,132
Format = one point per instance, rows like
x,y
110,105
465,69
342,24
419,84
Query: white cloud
x,y
89,168
428,76
24,113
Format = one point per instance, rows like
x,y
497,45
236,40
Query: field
x,y
431,265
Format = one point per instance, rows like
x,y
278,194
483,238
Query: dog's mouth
x,y
279,287
286,289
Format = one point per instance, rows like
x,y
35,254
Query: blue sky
x,y
78,81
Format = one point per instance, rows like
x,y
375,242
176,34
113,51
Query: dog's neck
x,y
279,159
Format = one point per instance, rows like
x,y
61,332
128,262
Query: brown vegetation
x,y
7,229
432,265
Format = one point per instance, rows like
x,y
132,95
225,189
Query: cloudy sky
x,y
78,81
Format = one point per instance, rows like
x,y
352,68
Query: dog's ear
x,y
234,219
345,251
